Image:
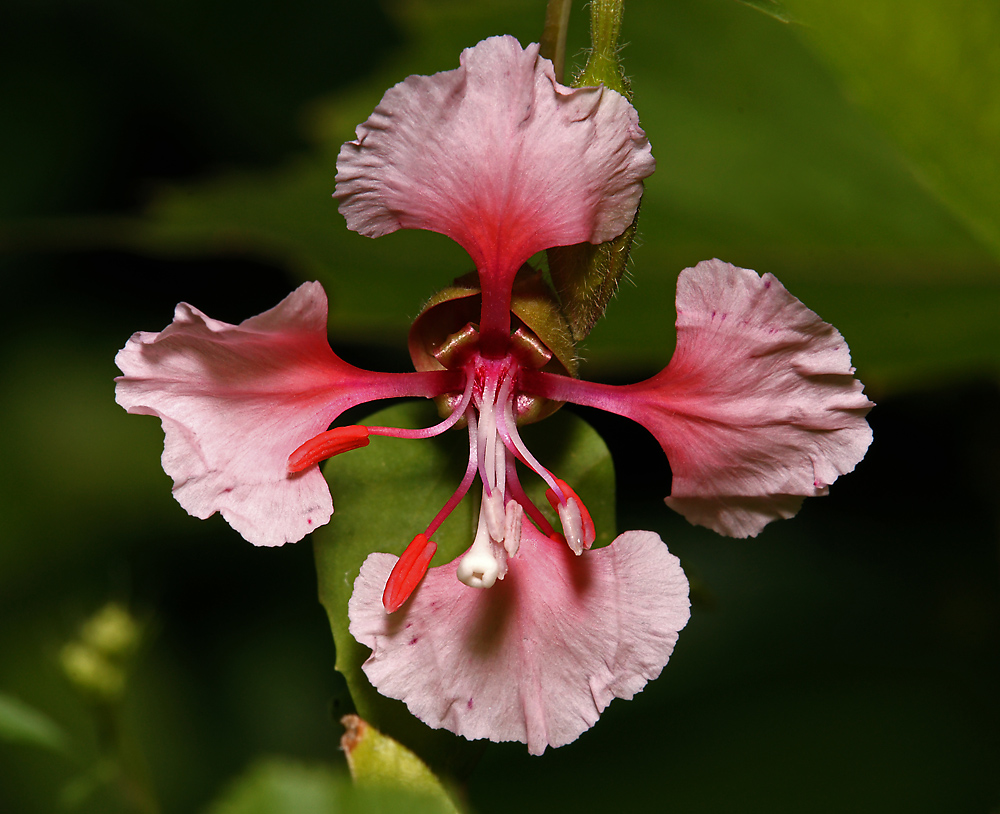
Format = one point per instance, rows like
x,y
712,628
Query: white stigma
x,y
479,567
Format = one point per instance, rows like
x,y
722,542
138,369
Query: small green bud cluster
x,y
97,660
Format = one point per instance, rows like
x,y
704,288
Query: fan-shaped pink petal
x,y
537,657
498,156
758,408
236,400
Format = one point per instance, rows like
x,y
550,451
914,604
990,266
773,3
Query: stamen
x,y
326,445
517,492
437,429
578,526
407,572
513,519
463,487
488,434
508,432
572,524
493,509
501,455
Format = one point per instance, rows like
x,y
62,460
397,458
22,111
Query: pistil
x,y
481,567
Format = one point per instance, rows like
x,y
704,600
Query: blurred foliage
x,y
761,162
20,723
182,150
930,76
276,786
377,761
772,7
98,660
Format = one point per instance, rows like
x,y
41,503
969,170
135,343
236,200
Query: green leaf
x,y
929,73
763,162
388,492
21,723
283,786
376,760
773,8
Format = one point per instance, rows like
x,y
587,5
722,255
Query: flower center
x,y
489,405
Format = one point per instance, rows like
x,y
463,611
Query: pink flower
x,y
757,410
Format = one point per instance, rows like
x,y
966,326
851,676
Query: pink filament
x,y
507,427
437,429
517,492
463,487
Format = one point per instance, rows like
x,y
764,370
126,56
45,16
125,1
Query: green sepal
x,y
532,302
586,276
446,332
603,66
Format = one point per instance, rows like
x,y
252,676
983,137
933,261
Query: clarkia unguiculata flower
x,y
529,634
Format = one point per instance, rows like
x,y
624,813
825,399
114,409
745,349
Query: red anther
x,y
407,572
326,445
589,532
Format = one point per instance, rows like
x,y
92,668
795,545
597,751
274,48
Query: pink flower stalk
x,y
757,410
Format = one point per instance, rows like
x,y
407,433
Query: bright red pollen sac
x,y
407,573
326,445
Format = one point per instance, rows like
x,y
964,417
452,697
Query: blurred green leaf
x,y
388,492
376,760
929,73
772,8
21,723
281,786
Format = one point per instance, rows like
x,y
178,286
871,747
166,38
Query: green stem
x,y
603,67
606,25
553,41
132,772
